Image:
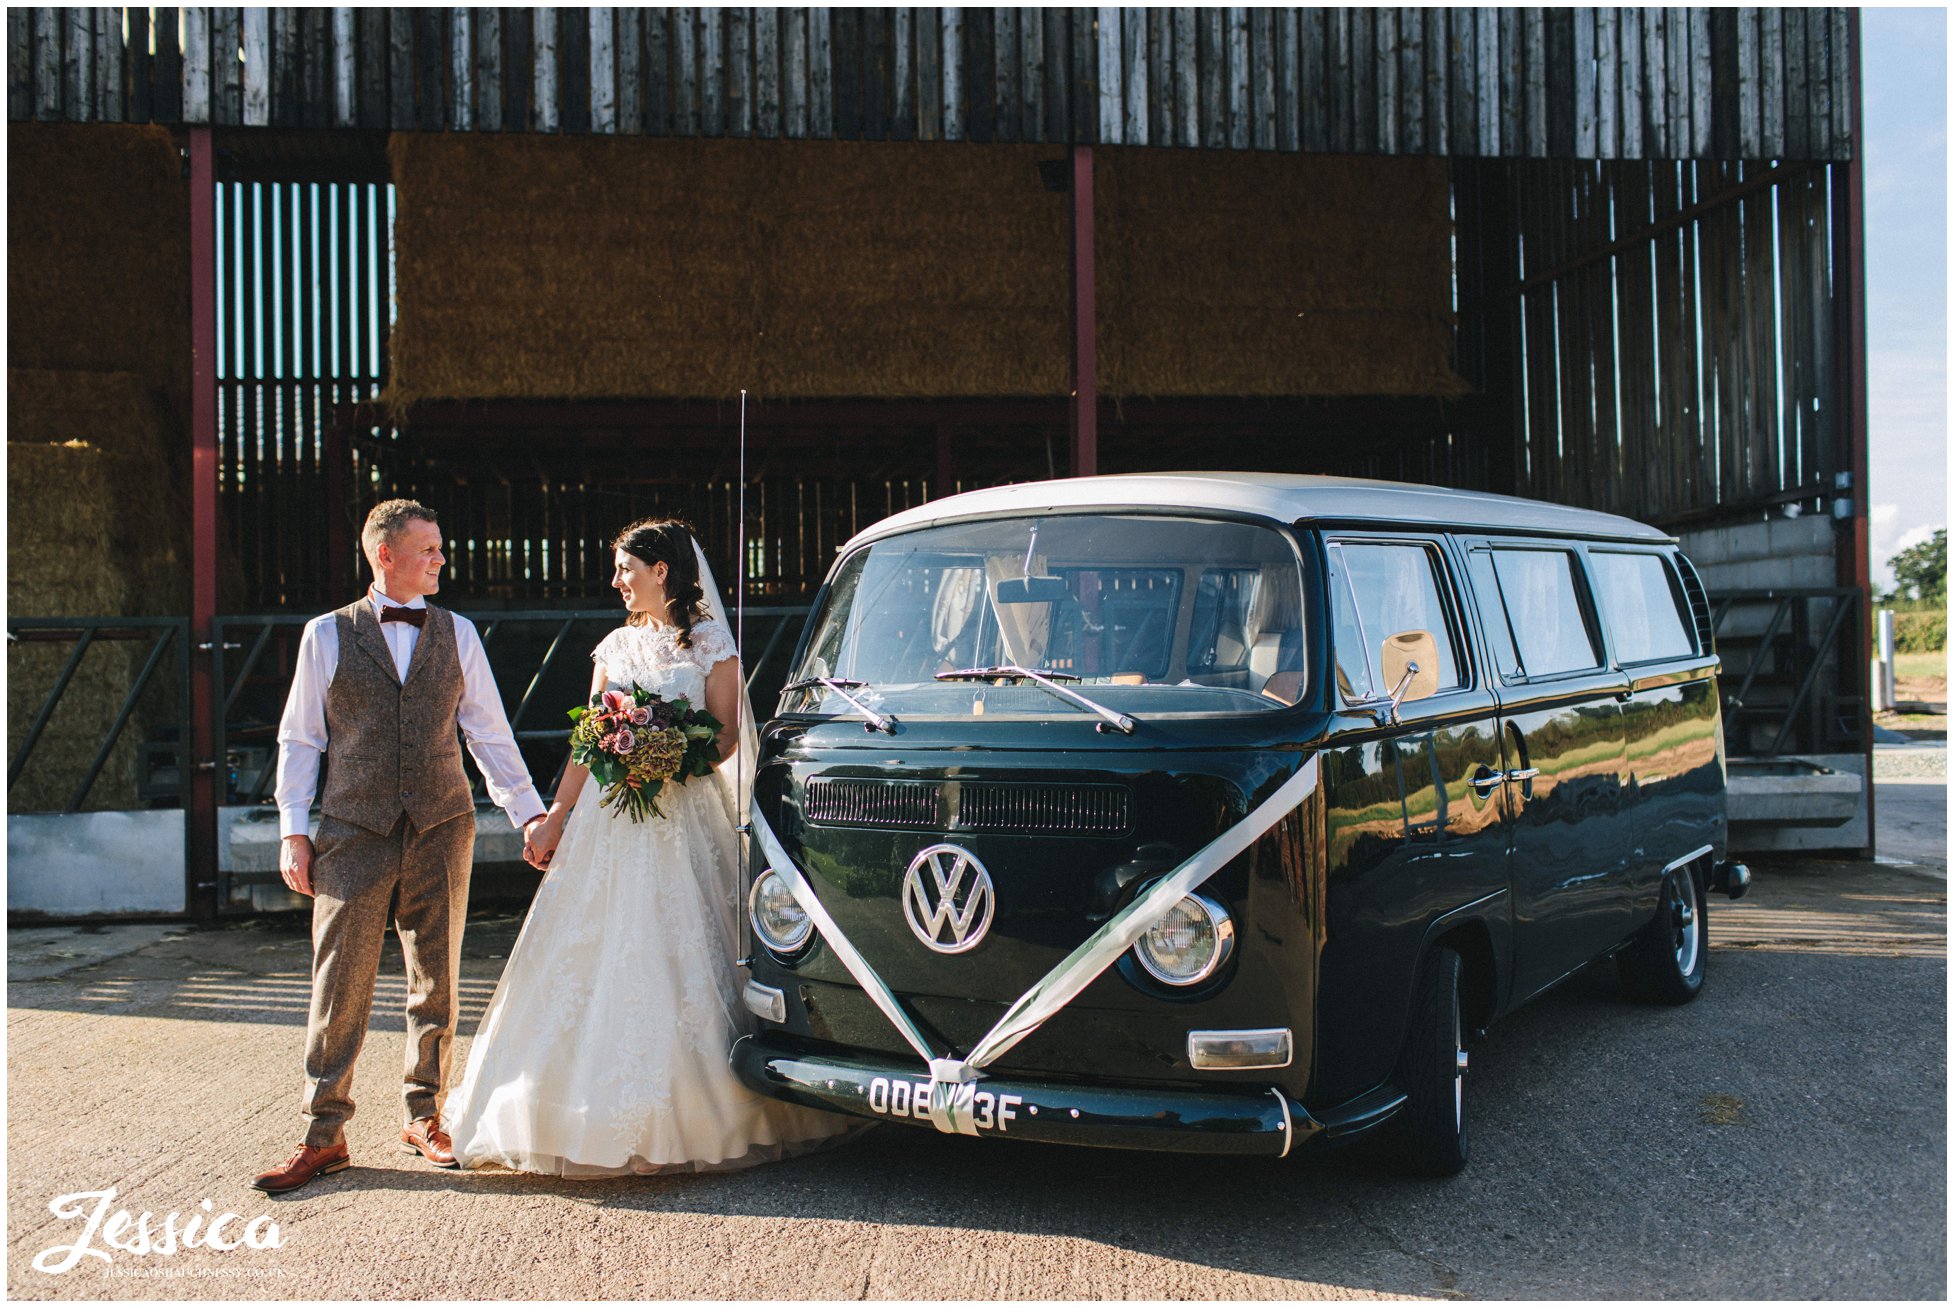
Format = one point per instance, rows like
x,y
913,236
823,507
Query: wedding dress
x,y
604,1049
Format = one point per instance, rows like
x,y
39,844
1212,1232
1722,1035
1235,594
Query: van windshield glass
x,y
1149,614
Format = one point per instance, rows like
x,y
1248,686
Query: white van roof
x,y
1284,497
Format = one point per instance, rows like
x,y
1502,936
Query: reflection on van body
x,y
1217,812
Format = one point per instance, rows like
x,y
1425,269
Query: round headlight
x,y
1189,944
782,925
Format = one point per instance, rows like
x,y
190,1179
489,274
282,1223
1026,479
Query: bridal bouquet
x,y
633,742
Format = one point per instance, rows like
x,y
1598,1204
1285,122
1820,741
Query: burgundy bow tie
x,y
388,613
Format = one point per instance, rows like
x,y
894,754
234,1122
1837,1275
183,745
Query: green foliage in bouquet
x,y
634,742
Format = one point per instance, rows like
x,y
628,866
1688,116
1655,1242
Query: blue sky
x,y
1905,70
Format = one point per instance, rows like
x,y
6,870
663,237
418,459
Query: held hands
x,y
295,863
539,839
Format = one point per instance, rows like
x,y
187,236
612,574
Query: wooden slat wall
x,y
1674,352
528,535
541,540
302,320
1585,83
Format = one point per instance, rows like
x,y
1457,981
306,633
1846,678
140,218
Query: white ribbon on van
x,y
951,1092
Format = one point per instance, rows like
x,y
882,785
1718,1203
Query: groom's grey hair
x,y
386,520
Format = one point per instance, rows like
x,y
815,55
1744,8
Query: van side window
x,y
1543,601
1499,629
1396,590
1347,633
1643,602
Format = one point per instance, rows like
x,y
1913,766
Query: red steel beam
x,y
201,816
1085,320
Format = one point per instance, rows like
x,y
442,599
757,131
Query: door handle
x,y
1484,779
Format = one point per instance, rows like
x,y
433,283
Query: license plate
x,y
909,1099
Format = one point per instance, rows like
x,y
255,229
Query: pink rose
x,y
639,716
626,742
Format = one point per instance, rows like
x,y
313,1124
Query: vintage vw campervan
x,y
1219,812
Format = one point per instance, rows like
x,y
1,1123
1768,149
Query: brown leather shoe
x,y
306,1162
425,1137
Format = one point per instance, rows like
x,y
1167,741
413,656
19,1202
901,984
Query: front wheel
x,y
1430,1130
1664,963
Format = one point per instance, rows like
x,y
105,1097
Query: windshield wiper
x,y
876,721
1048,679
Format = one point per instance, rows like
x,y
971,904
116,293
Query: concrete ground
x,y
1910,805
1783,1137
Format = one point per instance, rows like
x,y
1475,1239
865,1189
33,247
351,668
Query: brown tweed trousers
x,y
396,840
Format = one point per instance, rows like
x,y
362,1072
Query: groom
x,y
380,688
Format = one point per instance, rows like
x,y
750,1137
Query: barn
x,y
540,267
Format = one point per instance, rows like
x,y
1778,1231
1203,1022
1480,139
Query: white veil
x,y
737,788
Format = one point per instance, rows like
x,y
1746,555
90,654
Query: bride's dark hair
x,y
668,541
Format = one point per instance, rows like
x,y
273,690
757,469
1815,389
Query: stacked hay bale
x,y
1223,272
98,224
75,547
594,267
97,411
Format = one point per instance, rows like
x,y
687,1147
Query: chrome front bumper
x,y
1246,1121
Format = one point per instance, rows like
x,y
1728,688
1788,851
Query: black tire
x,y
1428,1135
1664,963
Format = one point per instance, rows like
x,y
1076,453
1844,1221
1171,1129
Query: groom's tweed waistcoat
x,y
393,748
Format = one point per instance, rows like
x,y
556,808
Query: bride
x,y
604,1050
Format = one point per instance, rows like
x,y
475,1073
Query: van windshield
x,y
1141,614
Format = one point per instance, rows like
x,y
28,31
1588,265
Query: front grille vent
x,y
1087,810
1003,807
896,804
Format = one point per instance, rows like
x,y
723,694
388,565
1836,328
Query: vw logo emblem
x,y
948,899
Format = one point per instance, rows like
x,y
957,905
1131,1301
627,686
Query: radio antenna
x,y
743,797
739,581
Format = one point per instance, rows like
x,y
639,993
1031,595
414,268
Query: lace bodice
x,y
651,657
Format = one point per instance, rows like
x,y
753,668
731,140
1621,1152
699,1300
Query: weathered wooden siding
x,y
1662,334
1587,83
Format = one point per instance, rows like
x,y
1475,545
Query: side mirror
x,y
1031,590
1410,667
1406,651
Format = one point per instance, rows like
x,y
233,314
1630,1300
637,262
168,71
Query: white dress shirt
x,y
302,731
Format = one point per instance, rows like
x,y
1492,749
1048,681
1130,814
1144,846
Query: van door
x,y
1564,754
1410,837
1670,719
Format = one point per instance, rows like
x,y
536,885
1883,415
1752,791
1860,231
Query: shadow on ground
x,y
1797,1110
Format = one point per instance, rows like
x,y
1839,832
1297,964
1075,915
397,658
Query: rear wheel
x,y
1664,963
1429,1132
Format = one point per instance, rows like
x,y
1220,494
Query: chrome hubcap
x,y
1458,1072
1682,921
